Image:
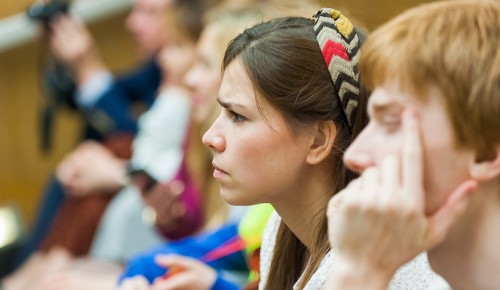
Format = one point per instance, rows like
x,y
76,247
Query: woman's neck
x,y
304,209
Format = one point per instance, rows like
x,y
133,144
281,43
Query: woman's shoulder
x,y
267,248
269,236
272,226
318,279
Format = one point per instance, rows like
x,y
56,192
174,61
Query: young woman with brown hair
x,y
286,121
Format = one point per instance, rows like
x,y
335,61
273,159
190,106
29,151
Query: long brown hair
x,y
286,66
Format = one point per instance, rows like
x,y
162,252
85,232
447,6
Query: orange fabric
x,y
75,224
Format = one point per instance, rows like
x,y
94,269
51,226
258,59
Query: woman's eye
x,y
236,117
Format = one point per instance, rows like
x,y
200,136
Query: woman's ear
x,y
324,138
484,170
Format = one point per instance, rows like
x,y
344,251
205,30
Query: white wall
x,y
18,29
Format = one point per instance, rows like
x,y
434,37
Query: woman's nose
x,y
213,140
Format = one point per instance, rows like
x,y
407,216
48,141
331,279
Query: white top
x,y
158,145
157,149
415,275
90,92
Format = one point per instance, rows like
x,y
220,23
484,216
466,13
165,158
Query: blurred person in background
x,y
175,187
107,103
205,78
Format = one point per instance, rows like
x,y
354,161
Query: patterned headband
x,y
340,46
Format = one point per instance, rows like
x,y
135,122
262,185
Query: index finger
x,y
412,159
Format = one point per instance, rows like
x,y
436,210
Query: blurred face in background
x,y
177,56
204,78
146,23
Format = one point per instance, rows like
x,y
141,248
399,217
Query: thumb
x,y
445,217
175,260
334,213
335,203
173,264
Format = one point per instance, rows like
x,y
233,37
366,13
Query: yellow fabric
x,y
343,24
251,227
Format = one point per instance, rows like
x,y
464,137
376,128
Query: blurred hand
x,y
73,279
36,269
194,275
67,280
90,168
71,43
378,222
164,199
134,283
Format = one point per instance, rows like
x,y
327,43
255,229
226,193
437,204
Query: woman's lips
x,y
218,172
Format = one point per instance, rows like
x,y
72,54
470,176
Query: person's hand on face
x,y
378,222
164,198
91,168
190,274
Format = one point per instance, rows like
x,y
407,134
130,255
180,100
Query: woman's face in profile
x,y
257,157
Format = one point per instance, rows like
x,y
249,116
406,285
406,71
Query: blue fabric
x,y
49,205
195,247
114,110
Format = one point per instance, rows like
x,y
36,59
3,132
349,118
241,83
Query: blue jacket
x,y
195,247
113,112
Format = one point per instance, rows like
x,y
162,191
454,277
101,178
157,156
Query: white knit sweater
x,y
415,275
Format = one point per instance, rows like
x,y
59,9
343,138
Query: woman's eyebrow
x,y
229,105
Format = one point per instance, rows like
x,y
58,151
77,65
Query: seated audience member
x,y
160,153
204,78
167,162
430,157
281,133
106,103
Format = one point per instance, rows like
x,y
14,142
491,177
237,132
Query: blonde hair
x,y
453,45
230,23
227,25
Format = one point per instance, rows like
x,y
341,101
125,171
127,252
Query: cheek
x,y
381,144
163,59
445,166
444,170
269,165
182,61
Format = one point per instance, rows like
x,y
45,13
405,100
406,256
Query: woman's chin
x,y
234,199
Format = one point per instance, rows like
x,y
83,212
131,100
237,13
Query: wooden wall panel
x,y
372,13
11,7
